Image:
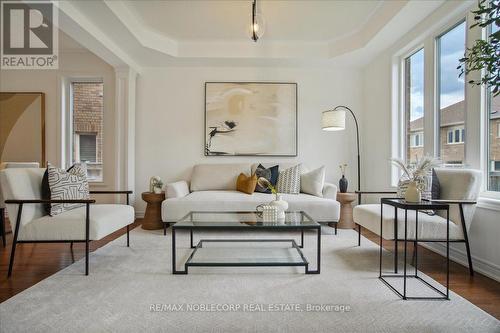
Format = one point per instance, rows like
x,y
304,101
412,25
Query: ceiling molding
x,y
152,39
147,37
80,28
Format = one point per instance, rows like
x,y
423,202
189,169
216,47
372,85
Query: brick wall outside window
x,y
88,113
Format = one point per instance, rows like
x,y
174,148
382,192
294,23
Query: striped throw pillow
x,y
289,180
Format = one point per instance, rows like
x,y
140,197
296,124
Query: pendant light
x,y
258,24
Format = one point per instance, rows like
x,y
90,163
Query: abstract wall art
x,y
250,119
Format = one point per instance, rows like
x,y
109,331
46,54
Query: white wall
x,y
170,118
376,140
78,63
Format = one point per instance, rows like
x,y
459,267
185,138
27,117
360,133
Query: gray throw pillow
x,y
64,185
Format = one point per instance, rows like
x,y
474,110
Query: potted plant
x,y
155,185
414,178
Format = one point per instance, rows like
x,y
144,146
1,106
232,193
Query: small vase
x,y
157,190
282,206
413,193
343,184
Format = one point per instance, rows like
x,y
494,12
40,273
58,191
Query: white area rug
x,y
124,283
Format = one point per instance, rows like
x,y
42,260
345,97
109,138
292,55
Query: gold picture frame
x,y
22,127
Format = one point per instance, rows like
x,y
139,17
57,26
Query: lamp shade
x,y
333,120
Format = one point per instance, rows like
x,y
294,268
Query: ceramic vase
x,y
281,206
157,190
343,184
413,193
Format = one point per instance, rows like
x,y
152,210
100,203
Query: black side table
x,y
415,206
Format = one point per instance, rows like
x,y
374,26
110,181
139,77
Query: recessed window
x,y
456,135
451,96
414,105
417,140
88,147
87,112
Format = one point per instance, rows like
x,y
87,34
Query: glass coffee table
x,y
219,252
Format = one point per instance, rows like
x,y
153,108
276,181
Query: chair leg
x,y
87,231
14,241
128,236
336,228
466,239
359,234
469,257
71,246
2,226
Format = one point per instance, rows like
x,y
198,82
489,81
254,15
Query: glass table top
x,y
244,220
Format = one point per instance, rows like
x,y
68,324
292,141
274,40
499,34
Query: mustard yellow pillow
x,y
246,184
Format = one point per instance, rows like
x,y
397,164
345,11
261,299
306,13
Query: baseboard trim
x,y
482,266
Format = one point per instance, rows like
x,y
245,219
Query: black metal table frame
x,y
416,207
196,247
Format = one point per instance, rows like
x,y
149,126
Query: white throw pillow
x,y
313,181
289,180
64,185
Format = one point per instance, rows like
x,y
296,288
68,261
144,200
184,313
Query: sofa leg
x,y
2,226
336,228
359,234
128,229
14,241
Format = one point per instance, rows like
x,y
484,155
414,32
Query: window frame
x,y
68,121
437,96
475,98
402,92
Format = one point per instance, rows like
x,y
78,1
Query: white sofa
x,y
212,187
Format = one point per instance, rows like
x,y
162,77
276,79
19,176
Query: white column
x,y
125,90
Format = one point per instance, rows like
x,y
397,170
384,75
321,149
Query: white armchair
x,y
22,192
459,188
5,165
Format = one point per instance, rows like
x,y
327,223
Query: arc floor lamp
x,y
334,120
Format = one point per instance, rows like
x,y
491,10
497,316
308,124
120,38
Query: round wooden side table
x,y
345,199
152,217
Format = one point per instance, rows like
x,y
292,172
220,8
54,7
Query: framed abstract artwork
x,y
250,119
22,127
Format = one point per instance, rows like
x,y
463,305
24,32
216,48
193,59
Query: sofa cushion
x,y
207,177
70,225
321,209
429,227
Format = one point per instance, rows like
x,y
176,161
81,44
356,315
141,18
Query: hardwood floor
x,y
35,262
